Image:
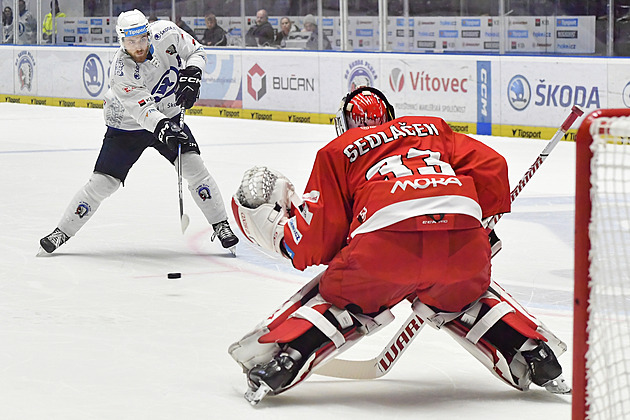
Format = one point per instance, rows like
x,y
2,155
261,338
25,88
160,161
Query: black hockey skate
x,y
226,236
51,242
271,377
545,369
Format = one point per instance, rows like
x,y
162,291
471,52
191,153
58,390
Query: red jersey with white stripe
x,y
412,173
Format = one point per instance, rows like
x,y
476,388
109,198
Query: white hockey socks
x,y
86,201
203,188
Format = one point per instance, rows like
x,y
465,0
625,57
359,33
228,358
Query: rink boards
x,y
513,96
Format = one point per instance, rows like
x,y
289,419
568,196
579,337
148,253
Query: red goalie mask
x,y
365,106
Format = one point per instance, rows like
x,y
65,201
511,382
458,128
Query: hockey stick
x,y
576,112
381,364
183,217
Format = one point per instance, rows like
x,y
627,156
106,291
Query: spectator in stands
x,y
286,27
47,27
7,25
310,25
184,27
26,20
261,34
214,35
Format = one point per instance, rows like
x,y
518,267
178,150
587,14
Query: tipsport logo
x,y
256,82
93,75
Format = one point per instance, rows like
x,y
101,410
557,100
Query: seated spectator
x,y
261,34
184,26
310,25
214,35
286,27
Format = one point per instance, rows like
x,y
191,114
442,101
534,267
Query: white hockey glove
x,y
262,206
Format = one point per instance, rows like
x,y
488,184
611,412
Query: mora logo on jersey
x,y
422,183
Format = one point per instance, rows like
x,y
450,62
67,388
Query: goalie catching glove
x,y
262,205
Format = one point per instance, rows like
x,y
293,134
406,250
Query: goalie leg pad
x,y
248,351
86,201
203,188
308,329
498,349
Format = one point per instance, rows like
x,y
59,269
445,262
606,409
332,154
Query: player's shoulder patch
x,y
161,29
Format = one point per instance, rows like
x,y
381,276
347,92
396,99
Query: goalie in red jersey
x,y
395,208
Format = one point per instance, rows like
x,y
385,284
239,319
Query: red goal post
x,y
601,335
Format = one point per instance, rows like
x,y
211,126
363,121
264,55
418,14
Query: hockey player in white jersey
x,y
154,76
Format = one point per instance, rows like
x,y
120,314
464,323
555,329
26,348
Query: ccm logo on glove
x,y
189,81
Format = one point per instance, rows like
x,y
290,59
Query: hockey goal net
x,y
601,339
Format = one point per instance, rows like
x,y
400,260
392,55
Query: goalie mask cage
x,y
601,336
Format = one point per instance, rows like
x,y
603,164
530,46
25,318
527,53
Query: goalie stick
x,y
382,363
183,217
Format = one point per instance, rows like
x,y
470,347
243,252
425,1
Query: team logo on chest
x,y
166,85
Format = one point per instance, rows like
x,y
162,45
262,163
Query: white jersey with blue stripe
x,y
142,94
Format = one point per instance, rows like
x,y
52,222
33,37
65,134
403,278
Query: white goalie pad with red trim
x,y
295,317
502,307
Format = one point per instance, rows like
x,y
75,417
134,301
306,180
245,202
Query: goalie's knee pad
x,y
498,331
309,330
86,201
203,188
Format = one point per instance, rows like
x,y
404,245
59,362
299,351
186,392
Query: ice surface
x,y
97,331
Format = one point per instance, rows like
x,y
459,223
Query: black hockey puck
x,y
174,275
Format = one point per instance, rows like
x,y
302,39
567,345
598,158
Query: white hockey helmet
x,y
131,23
